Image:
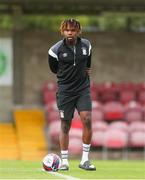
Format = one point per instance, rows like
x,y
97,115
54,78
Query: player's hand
x,y
88,71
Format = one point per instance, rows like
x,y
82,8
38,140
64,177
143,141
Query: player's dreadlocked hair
x,y
71,23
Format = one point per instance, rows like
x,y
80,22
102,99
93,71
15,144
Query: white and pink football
x,y
51,162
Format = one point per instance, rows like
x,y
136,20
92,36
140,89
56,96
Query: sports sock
x,y
85,154
64,157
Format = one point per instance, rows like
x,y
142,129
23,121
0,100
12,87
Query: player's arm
x,y
89,58
52,61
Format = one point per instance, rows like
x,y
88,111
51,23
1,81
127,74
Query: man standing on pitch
x,y
70,59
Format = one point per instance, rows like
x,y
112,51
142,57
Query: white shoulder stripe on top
x,y
90,47
51,53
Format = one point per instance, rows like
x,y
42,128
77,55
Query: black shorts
x,y
68,103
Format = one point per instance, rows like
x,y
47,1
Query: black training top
x,y
70,64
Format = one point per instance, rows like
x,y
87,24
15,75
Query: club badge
x,y
84,50
61,113
64,54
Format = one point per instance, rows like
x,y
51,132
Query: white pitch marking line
x,y
63,176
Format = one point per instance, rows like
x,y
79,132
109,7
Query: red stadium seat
x,y
126,96
49,92
119,125
97,138
137,136
137,126
52,106
75,132
97,115
98,133
127,92
133,111
75,146
54,130
137,139
141,97
50,86
107,92
113,111
115,138
93,89
53,116
49,96
97,111
99,126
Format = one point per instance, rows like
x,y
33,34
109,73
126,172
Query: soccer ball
x,y
51,162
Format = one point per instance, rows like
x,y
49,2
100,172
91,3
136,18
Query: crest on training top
x,y
64,54
84,51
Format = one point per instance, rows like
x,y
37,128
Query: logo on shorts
x,y
61,113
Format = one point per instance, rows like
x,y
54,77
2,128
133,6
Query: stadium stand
x,y
116,109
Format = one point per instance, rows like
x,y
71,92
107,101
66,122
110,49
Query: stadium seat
x,y
49,86
137,139
136,126
107,92
53,132
97,111
99,127
75,133
119,125
51,106
49,92
113,110
127,92
52,116
75,146
115,139
97,115
49,96
133,111
141,97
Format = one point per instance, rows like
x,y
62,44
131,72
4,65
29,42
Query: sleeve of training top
x,y
53,64
53,59
89,56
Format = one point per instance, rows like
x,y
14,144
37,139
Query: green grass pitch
x,y
132,170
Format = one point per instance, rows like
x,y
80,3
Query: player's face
x,y
70,33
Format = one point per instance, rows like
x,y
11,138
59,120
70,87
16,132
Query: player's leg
x,y
64,142
84,107
66,106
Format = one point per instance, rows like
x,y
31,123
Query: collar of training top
x,y
78,40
